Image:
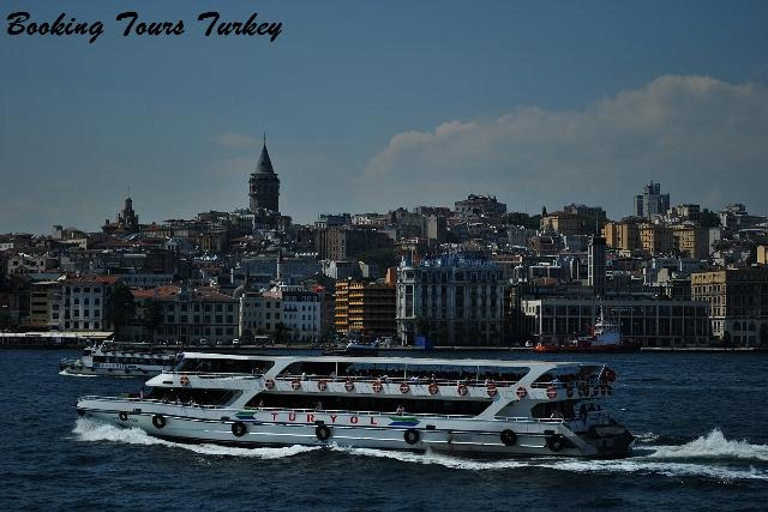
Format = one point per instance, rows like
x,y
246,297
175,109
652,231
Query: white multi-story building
x,y
290,311
85,301
452,300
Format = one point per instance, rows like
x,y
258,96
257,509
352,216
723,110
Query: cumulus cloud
x,y
704,139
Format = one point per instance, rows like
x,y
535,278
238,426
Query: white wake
x,y
713,445
87,430
659,460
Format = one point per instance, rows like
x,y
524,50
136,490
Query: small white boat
x,y
485,407
119,360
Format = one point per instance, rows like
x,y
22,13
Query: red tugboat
x,y
605,338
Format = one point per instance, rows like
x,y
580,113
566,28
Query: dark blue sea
x,y
701,422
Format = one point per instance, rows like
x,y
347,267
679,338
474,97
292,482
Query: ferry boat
x,y
119,360
605,338
473,407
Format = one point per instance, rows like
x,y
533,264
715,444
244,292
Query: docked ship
x,y
472,407
119,360
604,338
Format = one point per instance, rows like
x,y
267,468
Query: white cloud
x,y
705,140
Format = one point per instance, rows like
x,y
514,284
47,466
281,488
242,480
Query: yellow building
x,y
45,304
762,254
692,241
565,223
624,235
365,308
341,307
656,239
738,303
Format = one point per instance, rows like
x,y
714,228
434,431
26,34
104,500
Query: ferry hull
x,y
465,437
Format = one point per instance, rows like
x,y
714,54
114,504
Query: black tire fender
x,y
411,436
508,437
323,432
239,429
158,420
556,442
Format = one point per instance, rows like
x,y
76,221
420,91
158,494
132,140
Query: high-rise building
x,y
652,203
264,185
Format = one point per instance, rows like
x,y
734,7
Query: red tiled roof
x,y
93,279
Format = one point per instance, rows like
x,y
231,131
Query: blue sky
x,y
373,105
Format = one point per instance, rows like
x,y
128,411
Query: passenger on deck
x,y
319,406
399,410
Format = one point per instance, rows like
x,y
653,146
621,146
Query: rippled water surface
x,y
701,422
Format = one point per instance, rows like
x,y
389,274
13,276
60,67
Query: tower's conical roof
x,y
265,164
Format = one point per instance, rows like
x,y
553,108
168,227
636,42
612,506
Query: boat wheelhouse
x,y
119,360
494,407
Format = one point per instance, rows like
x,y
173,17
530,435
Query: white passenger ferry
x,y
119,360
494,407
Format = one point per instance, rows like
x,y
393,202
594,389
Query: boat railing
x,y
140,400
218,375
362,413
386,379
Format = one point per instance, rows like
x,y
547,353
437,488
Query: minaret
x,y
264,190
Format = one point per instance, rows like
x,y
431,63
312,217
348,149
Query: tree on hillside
x,y
523,219
383,258
708,219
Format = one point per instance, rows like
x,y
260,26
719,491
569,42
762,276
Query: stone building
x,y
737,300
452,300
344,243
264,185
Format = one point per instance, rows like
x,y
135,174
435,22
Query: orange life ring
x,y
521,393
349,386
377,386
269,384
404,387
551,392
322,385
296,384
184,381
462,390
491,389
433,389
